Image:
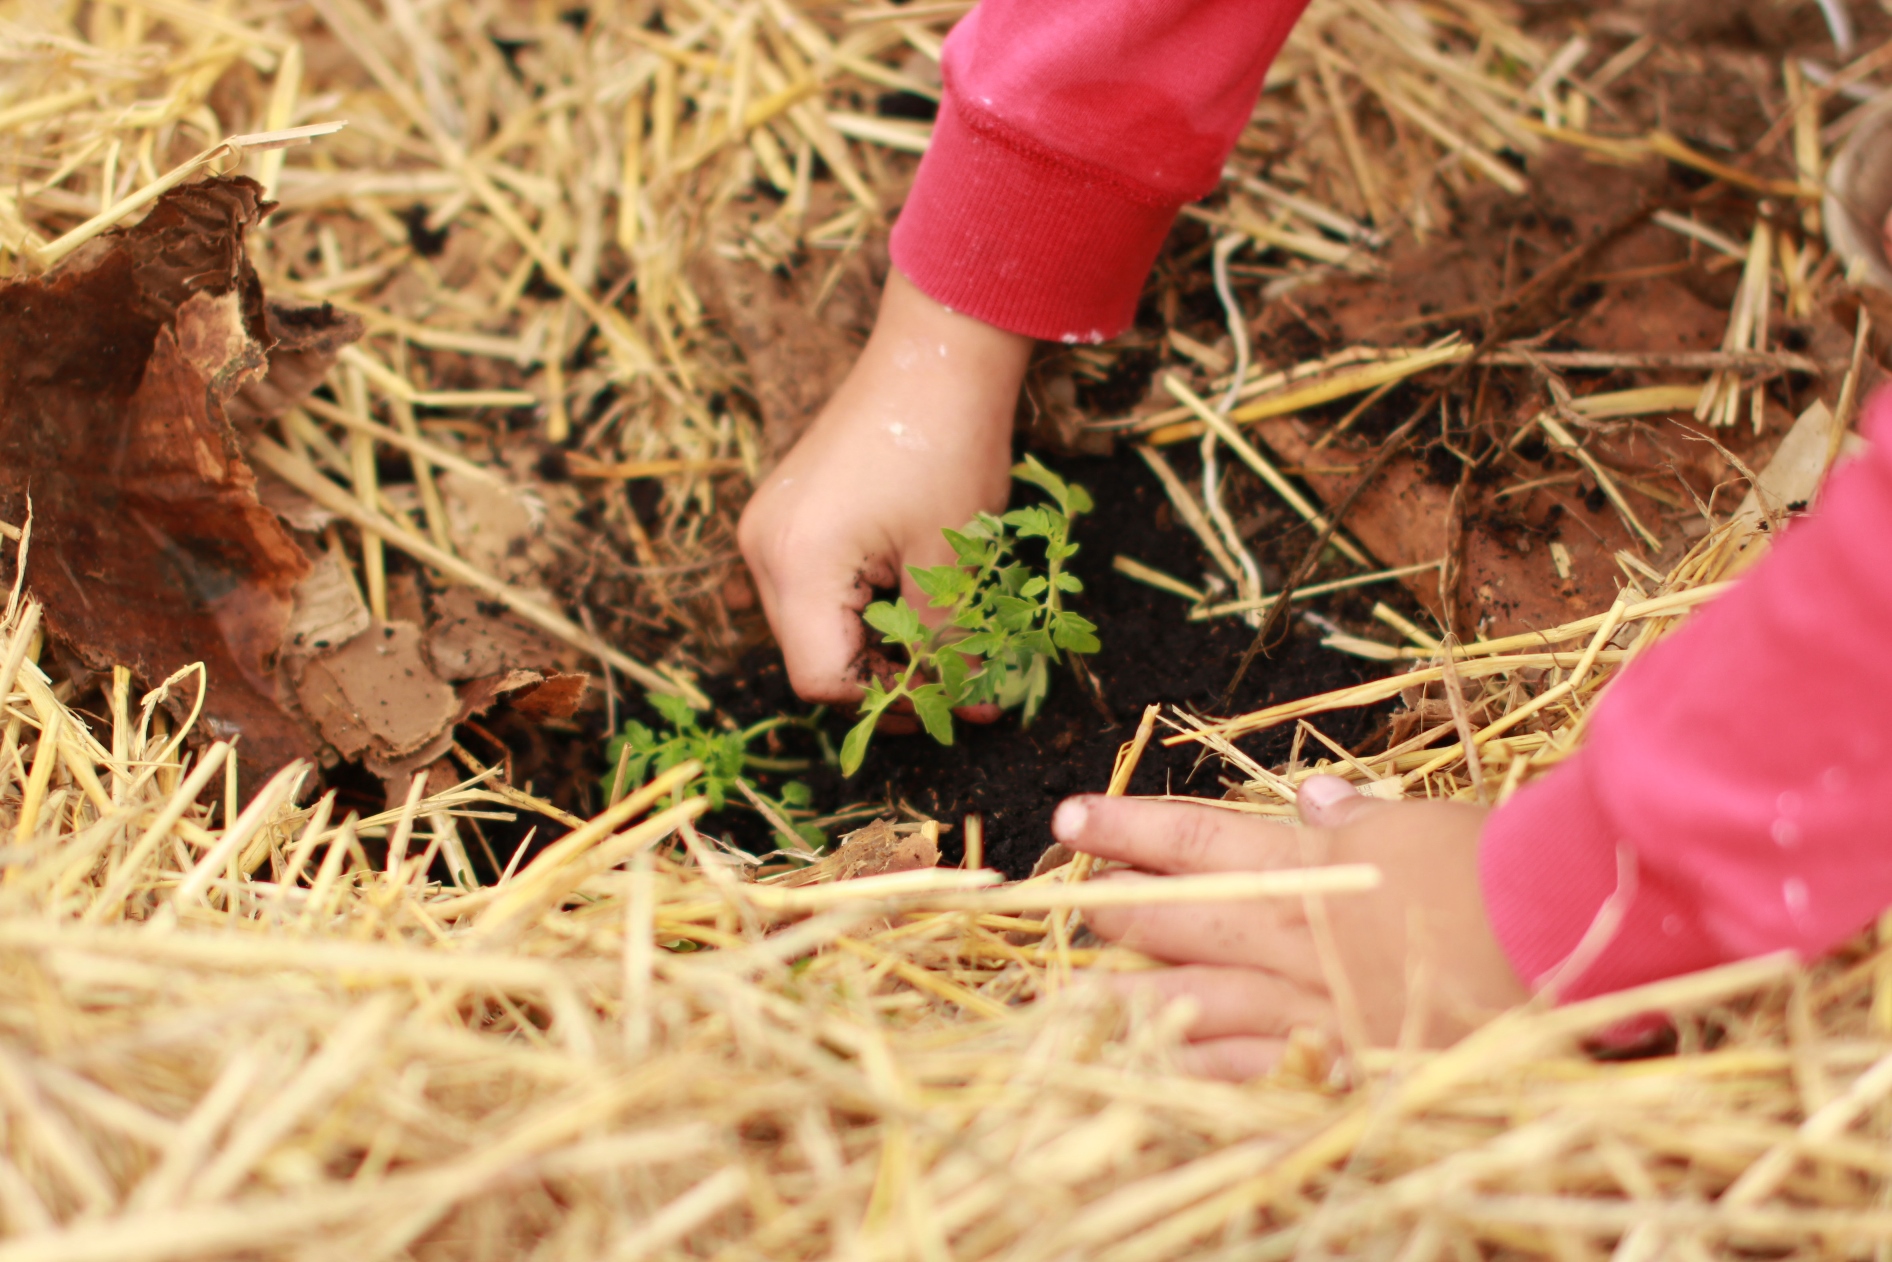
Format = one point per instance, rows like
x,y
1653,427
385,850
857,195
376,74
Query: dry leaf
x,y
555,697
498,528
150,548
303,345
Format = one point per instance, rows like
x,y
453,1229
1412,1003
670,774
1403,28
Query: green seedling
x,y
1006,623
638,752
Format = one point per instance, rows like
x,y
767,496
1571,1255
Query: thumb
x,y
1329,802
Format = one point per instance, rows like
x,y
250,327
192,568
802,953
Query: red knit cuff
x,y
1007,232
1548,864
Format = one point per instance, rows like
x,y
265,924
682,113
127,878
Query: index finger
x,y
1173,837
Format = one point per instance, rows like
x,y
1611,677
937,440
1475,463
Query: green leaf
x,y
812,835
680,713
723,756
896,621
1039,643
797,795
854,746
969,550
1070,583
953,669
1034,588
1032,470
942,583
935,711
980,643
1013,613
989,525
1070,497
1034,522
1075,634
1009,689
984,688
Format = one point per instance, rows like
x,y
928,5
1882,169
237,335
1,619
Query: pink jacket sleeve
x,y
1742,770
1070,134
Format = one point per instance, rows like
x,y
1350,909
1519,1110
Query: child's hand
x,y
1254,968
917,439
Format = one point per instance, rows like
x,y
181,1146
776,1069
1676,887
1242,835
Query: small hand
x,y
1255,969
917,439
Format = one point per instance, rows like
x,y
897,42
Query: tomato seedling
x,y
1007,622
638,751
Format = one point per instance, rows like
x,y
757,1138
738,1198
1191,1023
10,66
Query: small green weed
x,y
1006,626
637,752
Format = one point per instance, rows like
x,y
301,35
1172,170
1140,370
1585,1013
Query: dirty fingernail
x,y
1067,824
1319,792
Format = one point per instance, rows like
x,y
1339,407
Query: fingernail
x,y
1067,823
1320,792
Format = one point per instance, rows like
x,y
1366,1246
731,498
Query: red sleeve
x,y
1070,134
1742,769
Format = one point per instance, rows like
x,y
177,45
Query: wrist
x,y
919,343
930,383
908,310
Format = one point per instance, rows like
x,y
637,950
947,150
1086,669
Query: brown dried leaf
x,y
303,344
150,548
556,697
477,696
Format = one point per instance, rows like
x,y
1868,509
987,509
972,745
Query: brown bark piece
x,y
538,697
472,638
378,695
150,548
557,697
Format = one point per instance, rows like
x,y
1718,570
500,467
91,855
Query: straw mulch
x,y
228,1033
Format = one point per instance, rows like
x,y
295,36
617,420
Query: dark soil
x,y
1014,777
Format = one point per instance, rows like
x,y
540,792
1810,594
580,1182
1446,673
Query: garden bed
x,y
1528,298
